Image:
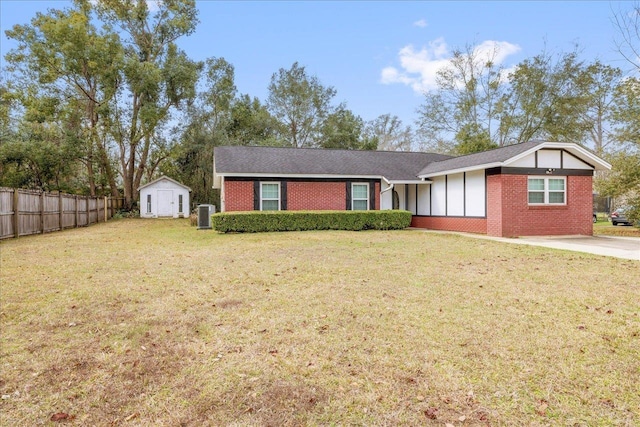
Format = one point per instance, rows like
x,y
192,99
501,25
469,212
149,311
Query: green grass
x,y
152,322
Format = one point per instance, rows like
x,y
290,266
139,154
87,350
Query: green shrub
x,y
256,221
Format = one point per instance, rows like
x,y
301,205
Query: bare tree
x,y
627,41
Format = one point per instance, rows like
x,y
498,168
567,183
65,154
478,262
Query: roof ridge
x,y
333,149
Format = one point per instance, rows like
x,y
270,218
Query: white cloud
x,y
418,68
420,23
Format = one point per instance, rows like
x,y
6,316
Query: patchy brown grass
x,y
152,322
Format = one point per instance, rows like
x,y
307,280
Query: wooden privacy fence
x,y
24,212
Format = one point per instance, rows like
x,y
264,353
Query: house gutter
x,y
389,183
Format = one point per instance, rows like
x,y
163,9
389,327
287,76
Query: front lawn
x,y
152,322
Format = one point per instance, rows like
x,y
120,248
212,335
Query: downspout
x,y
390,187
388,183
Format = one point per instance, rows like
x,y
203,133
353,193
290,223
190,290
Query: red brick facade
x,y
508,211
509,214
316,196
238,196
301,195
466,224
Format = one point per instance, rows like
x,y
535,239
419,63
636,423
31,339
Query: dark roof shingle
x,y
497,155
393,165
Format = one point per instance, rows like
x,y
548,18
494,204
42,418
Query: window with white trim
x,y
360,197
269,196
179,203
148,203
547,191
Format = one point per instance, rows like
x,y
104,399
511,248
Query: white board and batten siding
x,y
457,195
551,159
164,198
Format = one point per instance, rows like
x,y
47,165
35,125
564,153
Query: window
x,y
269,196
360,197
148,203
179,203
547,191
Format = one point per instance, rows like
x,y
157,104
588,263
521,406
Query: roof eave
x,y
408,181
295,175
461,170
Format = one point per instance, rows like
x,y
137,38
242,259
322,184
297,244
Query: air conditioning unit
x,y
204,216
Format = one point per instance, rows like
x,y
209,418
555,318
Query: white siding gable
x,y
571,162
525,162
549,159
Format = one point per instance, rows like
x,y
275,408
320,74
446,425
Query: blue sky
x,y
381,55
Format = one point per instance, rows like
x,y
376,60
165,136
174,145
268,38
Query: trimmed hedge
x,y
257,221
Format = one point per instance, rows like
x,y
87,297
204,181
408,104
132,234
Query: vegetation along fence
x,y
24,212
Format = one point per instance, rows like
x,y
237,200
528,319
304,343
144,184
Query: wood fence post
x,y
77,213
105,209
42,198
60,209
88,211
16,213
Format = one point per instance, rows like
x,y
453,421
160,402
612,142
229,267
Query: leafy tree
x,y
598,85
343,129
61,54
301,104
43,153
472,139
544,100
252,124
158,78
623,182
390,133
468,96
626,113
206,127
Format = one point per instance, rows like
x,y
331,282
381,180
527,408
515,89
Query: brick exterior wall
x,y
494,205
301,195
238,196
509,214
466,224
316,196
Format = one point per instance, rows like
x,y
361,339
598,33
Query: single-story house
x,y
164,197
532,188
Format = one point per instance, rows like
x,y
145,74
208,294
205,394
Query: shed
x,y
164,198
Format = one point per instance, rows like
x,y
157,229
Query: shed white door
x,y
165,202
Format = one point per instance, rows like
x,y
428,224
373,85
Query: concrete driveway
x,y
618,247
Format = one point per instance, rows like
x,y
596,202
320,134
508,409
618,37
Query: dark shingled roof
x,y
497,155
393,165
